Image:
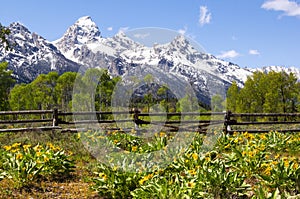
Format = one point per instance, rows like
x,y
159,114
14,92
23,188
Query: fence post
x,y
55,117
227,121
136,118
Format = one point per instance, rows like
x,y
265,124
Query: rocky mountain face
x,y
33,55
83,46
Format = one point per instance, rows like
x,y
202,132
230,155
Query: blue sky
x,y
250,33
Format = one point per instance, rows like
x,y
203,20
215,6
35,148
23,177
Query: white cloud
x,y
182,31
141,36
205,16
228,54
254,52
110,28
123,29
290,8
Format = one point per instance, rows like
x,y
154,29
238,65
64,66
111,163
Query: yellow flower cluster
x,y
144,179
191,184
13,148
103,176
134,148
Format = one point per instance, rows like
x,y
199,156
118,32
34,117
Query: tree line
x,y
272,92
51,90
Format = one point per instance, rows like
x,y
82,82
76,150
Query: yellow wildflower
x,y
50,145
262,136
195,156
162,134
262,147
15,150
26,146
191,184
286,162
274,163
38,148
267,171
193,172
277,156
251,136
134,148
57,148
244,153
144,179
19,156
103,176
46,159
39,162
295,166
250,153
7,148
15,145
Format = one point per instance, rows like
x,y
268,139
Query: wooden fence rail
x,y
55,119
233,120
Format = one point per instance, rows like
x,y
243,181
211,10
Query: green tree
x,y
148,97
232,97
265,92
95,90
4,32
283,92
6,79
44,96
217,103
64,90
20,97
105,90
6,82
163,93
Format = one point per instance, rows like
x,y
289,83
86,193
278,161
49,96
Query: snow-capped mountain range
x,y
33,55
82,46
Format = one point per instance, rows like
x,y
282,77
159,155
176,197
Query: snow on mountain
x,y
288,70
33,55
83,44
184,59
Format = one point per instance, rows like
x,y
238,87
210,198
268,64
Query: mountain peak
x,y
18,27
83,31
182,44
86,21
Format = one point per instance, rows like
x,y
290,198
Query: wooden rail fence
x,y
262,120
45,120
